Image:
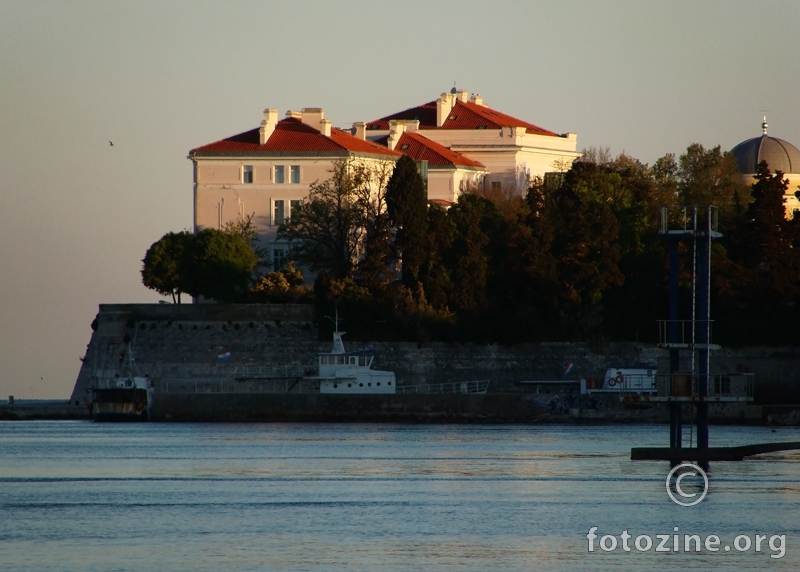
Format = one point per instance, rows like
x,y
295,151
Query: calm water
x,y
86,496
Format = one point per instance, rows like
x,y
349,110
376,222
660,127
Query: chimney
x,y
325,127
268,125
360,130
444,105
477,99
295,114
311,116
411,125
396,130
462,95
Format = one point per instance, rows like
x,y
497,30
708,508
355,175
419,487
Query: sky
x,y
159,78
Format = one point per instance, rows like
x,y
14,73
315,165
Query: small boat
x,y
122,399
350,372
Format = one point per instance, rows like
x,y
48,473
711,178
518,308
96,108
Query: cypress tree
x,y
407,205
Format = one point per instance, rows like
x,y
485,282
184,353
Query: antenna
x,y
335,320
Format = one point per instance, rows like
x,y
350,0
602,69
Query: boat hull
x,y
116,404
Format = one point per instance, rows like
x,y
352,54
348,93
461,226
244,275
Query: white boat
x,y
351,372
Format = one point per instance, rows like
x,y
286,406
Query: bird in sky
x,y
111,143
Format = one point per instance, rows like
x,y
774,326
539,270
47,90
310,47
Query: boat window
x,y
352,361
390,383
360,385
323,360
362,360
379,384
340,360
335,386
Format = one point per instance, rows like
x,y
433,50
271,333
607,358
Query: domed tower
x,y
780,155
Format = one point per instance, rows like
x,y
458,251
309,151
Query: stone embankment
x,y
198,345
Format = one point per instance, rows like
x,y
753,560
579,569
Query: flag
x,y
568,368
224,355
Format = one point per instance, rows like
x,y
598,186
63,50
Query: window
x,y
295,173
279,175
294,205
497,185
553,181
279,214
247,174
278,258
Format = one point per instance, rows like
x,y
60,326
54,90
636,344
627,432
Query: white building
x,y
512,151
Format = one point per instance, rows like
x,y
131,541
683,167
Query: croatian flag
x,y
568,368
224,355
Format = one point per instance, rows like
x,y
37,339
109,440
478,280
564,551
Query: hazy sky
x,y
158,78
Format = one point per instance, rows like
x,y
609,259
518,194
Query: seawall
x,y
181,345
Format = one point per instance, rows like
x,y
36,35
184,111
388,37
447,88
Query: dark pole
x,y
703,325
675,421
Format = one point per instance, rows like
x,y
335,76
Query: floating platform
x,y
710,453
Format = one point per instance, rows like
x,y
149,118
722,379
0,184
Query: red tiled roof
x,y
425,114
467,115
440,202
421,148
292,135
472,116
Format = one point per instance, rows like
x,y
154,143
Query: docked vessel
x,y
122,399
126,397
350,372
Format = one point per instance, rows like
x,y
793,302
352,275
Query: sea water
x,y
223,497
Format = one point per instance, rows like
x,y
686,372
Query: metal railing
x,y
684,331
689,219
634,383
479,386
227,386
733,385
271,372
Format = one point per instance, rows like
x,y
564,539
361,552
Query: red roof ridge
x,y
479,115
291,134
498,118
433,152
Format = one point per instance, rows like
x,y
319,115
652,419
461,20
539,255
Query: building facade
x,y
267,172
458,142
511,150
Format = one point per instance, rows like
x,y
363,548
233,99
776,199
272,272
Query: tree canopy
x,y
213,264
161,264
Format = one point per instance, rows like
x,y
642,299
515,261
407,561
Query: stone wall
x,y
181,343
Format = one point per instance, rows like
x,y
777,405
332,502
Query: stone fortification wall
x,y
181,344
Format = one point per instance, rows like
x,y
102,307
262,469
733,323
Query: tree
x,y
246,228
217,265
468,254
407,203
328,230
286,284
769,237
711,177
161,264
